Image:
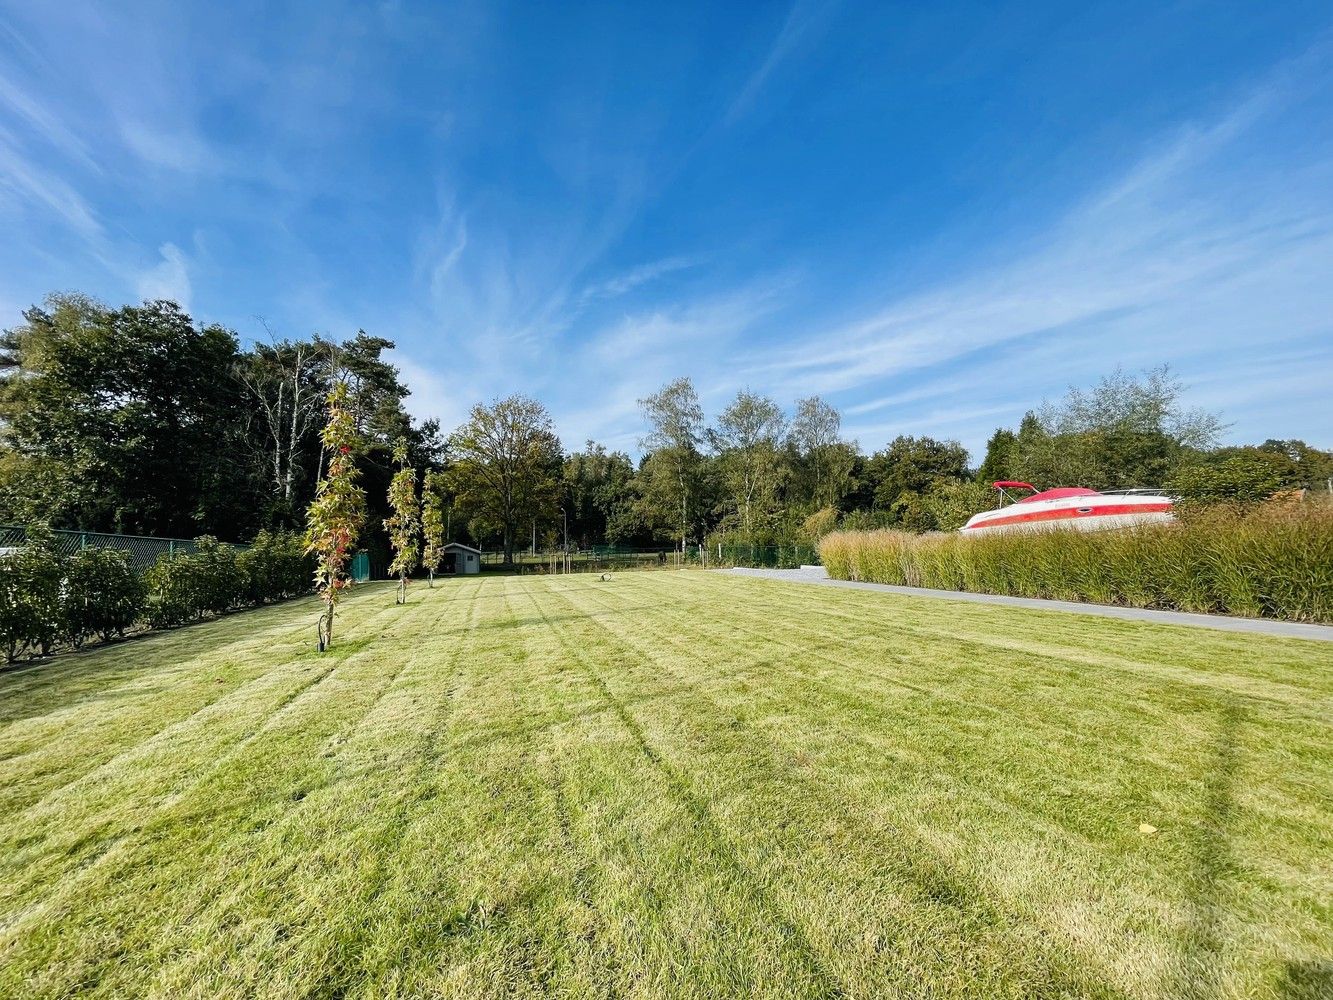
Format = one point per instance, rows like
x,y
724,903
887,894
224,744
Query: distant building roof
x,y
460,545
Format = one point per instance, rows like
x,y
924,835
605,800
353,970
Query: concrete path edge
x,y
1261,626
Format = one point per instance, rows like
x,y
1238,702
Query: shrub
x,y
274,568
1267,561
174,593
30,595
47,599
187,585
819,524
221,583
102,596
1241,479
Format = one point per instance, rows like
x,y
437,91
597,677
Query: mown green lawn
x,y
675,784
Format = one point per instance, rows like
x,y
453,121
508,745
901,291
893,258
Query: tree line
x,y
138,420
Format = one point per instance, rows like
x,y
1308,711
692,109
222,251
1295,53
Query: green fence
x,y
764,556
144,550
601,558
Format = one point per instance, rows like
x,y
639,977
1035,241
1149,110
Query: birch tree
x,y
676,426
748,439
286,381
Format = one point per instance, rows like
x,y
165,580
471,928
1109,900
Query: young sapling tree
x,y
432,524
404,524
338,511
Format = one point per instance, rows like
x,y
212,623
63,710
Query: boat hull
x,y
1084,513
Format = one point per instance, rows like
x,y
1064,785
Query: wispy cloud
x,y
168,279
44,123
643,274
181,150
802,17
1180,242
31,185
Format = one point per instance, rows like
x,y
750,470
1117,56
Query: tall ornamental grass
x,y
1266,562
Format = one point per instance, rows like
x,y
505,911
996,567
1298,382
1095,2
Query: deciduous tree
x,y
432,523
671,473
505,466
827,462
404,523
338,512
748,439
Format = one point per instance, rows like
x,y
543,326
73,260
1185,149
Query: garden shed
x,y
460,558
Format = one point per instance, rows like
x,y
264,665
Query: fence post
x,y
171,548
83,540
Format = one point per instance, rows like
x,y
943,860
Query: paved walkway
x,y
1263,626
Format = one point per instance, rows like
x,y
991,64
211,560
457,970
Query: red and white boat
x,y
1070,507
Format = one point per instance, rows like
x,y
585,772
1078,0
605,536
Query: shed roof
x,y
460,545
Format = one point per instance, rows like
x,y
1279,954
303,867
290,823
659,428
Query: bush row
x,y
48,601
1266,562
215,578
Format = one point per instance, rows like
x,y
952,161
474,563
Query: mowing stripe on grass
x,y
671,784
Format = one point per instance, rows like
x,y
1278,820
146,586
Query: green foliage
x,y
506,467
140,420
220,580
173,592
274,568
1270,561
819,524
404,524
337,513
123,418
185,586
1239,479
952,502
432,521
48,600
865,520
30,607
912,465
1001,457
748,439
670,478
911,513
598,494
822,464
1311,468
1125,431
102,596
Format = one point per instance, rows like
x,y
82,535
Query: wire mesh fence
x,y
601,558
143,550
790,556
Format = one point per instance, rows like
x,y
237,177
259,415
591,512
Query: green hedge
x,y
1266,562
49,601
216,578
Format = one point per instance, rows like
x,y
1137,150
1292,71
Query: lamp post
x,y
565,514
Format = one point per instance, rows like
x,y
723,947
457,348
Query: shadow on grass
x,y
1199,972
1307,981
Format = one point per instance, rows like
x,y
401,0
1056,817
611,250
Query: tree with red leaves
x,y
338,511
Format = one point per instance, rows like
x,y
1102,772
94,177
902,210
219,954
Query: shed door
x,y
450,562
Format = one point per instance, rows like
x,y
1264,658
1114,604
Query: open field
x,y
669,784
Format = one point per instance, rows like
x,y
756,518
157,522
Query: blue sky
x,y
934,215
